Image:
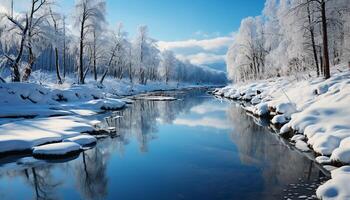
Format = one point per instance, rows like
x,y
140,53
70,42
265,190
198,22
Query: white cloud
x,y
208,108
206,122
202,58
203,34
205,51
206,44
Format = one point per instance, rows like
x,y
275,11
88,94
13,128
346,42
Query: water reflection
x,y
185,154
142,118
280,164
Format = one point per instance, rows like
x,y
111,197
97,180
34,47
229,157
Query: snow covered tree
x,y
55,22
290,37
37,15
121,46
28,27
146,56
167,65
88,16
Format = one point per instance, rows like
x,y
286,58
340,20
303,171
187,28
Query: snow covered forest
x,y
291,37
82,44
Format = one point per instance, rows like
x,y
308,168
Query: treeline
x,y
42,38
291,36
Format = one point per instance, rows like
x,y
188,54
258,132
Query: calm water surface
x,y
195,148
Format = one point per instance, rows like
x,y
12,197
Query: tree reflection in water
x,y
140,119
280,164
42,181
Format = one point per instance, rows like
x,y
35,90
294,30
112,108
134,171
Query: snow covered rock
x,y
341,154
82,140
261,109
279,119
285,129
297,137
255,100
302,146
325,144
56,149
286,108
338,188
323,160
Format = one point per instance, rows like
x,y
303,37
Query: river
x,y
198,147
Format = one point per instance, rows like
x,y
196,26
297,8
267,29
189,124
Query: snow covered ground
x,y
313,111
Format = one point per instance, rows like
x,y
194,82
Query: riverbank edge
x,y
127,99
259,107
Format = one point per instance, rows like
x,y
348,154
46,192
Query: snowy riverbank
x,y
60,112
313,113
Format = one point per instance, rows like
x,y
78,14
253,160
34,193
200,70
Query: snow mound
x,y
338,188
261,109
323,160
325,144
341,154
256,100
56,149
285,129
297,137
25,134
286,108
302,146
104,104
82,140
279,119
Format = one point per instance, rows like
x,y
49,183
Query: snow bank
x,y
47,99
103,104
82,140
56,149
279,119
338,188
26,134
317,108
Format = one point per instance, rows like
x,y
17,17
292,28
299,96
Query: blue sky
x,y
196,30
180,19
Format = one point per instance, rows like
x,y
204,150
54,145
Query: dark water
x,y
195,148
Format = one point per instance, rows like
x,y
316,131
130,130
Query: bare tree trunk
x,y
81,60
2,80
312,34
94,55
130,73
64,47
325,41
16,76
59,80
103,76
32,57
28,70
